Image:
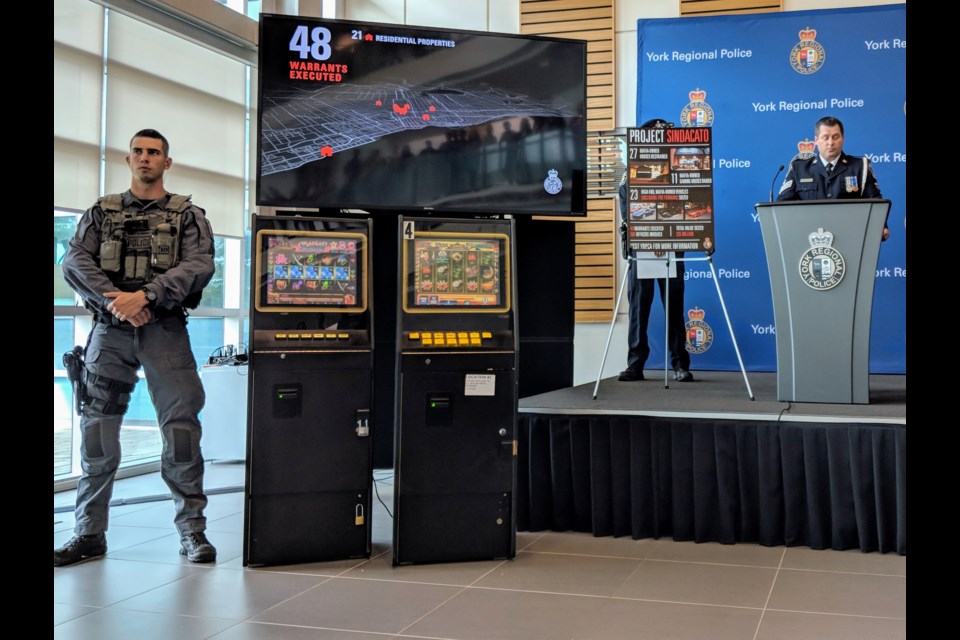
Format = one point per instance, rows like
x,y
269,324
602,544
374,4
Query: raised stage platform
x,y
702,461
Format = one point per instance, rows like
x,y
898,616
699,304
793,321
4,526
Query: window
x,y
63,407
64,226
201,99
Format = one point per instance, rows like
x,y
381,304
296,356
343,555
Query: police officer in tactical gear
x,y
138,259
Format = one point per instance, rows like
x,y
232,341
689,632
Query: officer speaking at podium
x,y
831,174
137,260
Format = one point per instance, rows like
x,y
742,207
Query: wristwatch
x,y
151,297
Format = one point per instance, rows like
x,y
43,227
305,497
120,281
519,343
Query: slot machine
x,y
456,395
309,454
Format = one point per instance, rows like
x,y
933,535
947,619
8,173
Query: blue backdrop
x,y
761,82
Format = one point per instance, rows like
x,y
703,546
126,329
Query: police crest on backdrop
x,y
807,56
697,113
699,333
806,149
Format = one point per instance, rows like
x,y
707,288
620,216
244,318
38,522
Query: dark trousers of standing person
x,y
115,353
640,297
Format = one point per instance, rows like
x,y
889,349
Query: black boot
x,y
197,548
80,548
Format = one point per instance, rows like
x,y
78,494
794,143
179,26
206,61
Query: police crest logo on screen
x,y
807,56
699,333
552,184
697,113
821,266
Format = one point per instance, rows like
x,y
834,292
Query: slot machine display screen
x,y
457,273
310,271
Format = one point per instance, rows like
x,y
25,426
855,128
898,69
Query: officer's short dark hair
x,y
156,135
827,121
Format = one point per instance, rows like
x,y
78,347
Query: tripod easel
x,y
666,329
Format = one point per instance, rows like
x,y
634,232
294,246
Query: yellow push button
x,y
486,335
318,336
280,336
474,342
343,336
414,335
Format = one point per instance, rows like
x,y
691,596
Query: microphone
x,y
775,182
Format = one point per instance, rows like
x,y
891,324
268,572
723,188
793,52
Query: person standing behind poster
x,y
831,174
640,298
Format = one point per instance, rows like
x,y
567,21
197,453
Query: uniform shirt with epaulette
x,y
809,179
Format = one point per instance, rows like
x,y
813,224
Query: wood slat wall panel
x,y
599,56
570,14
600,101
592,294
721,7
587,248
601,226
586,261
598,308
593,316
592,21
562,28
575,35
600,113
588,283
556,6
596,68
594,272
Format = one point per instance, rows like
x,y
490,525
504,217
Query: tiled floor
x,y
560,586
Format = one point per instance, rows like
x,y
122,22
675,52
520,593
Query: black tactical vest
x,y
135,246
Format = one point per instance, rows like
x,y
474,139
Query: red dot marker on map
x,y
432,108
379,103
326,151
368,37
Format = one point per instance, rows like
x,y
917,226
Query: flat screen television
x,y
465,272
368,116
310,271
